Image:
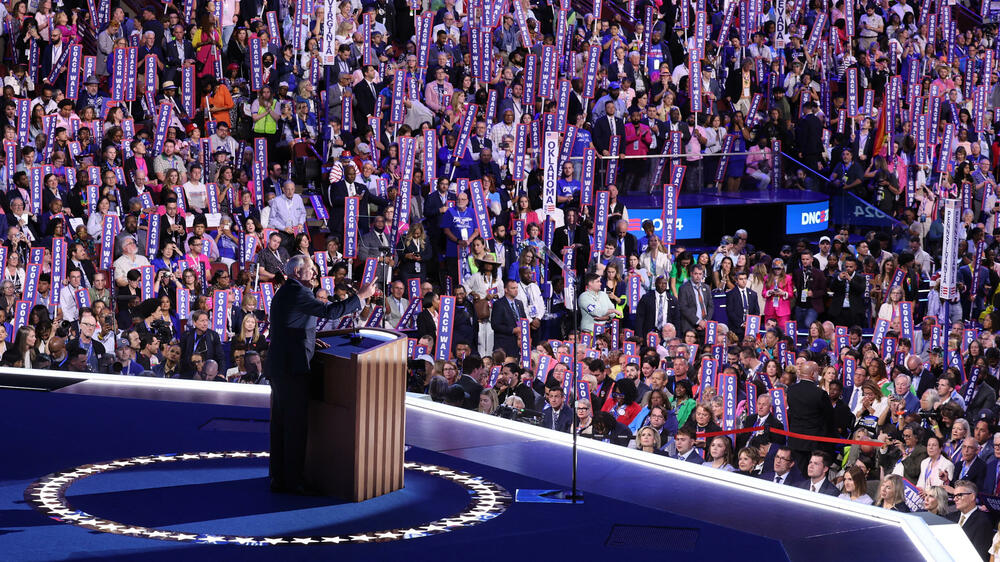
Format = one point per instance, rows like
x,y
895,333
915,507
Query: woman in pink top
x,y
68,27
778,293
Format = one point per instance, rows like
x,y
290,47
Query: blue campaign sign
x,y
688,222
808,217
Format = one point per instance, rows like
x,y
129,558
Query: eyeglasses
x,y
960,494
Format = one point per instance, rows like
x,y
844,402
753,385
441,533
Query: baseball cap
x,y
824,239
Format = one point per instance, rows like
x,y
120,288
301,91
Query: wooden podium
x,y
357,415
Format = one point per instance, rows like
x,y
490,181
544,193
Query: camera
x,y
929,415
162,330
519,414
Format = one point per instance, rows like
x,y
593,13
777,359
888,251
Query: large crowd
x,y
163,161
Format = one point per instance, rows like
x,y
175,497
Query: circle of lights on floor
x,y
48,495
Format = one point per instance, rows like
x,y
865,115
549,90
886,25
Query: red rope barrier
x,y
711,434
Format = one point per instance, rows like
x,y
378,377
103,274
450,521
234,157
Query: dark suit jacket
x,y
809,135
131,167
503,322
563,422
480,169
856,286
793,478
336,193
364,102
294,310
979,530
734,309
817,283
47,61
425,325
869,145
602,132
927,382
694,456
688,304
171,59
86,267
560,240
976,473
810,413
472,388
826,487
770,421
631,244
213,349
990,479
646,312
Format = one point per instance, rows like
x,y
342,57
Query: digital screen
x,y
688,222
808,217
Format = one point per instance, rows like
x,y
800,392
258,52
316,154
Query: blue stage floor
x,y
636,505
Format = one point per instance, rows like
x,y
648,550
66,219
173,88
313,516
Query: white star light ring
x,y
48,495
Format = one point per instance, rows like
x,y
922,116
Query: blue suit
x,y
693,456
294,311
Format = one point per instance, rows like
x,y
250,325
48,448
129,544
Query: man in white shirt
x,y
129,260
920,257
288,214
67,296
530,295
195,191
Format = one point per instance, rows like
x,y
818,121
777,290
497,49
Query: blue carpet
x,y
231,496
45,432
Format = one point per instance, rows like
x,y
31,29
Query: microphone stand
x,y
572,495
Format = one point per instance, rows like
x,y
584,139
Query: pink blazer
x,y
784,307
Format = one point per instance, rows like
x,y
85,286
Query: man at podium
x,y
294,310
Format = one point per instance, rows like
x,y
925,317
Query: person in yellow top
x,y
266,113
207,43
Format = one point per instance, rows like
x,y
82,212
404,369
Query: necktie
x,y
777,479
701,302
611,120
381,239
746,306
961,520
661,310
514,308
815,487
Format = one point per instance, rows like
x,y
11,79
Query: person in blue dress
x,y
737,164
